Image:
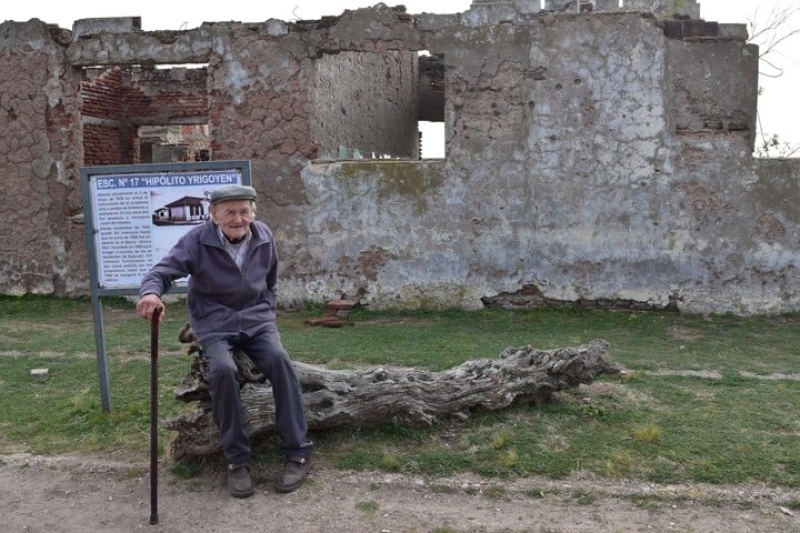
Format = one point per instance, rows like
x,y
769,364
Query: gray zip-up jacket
x,y
222,298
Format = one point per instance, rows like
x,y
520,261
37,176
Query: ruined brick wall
x,y
107,136
116,101
591,157
166,96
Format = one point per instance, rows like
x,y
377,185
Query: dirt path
x,y
90,495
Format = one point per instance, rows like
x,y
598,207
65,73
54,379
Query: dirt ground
x,y
67,494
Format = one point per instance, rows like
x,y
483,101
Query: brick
x,y
700,28
673,29
328,322
340,308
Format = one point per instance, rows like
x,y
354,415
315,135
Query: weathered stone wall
x,y
590,157
42,251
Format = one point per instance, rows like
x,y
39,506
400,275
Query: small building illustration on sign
x,y
186,210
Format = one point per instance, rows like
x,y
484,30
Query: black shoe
x,y
239,483
295,472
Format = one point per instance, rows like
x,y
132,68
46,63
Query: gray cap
x,y
233,192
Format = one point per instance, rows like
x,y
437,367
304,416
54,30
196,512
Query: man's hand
x,y
147,305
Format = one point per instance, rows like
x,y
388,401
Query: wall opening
x,y
144,114
431,105
432,145
369,105
174,143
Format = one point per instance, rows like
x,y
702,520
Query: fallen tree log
x,y
373,396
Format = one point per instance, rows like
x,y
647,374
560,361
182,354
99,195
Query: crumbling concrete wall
x,y
590,157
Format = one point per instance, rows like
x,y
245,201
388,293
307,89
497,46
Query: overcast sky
x,y
779,111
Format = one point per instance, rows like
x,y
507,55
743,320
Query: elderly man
x,y
233,267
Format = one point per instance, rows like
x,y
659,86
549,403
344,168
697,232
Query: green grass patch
x,y
694,406
368,507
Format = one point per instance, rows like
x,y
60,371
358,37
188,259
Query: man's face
x,y
233,217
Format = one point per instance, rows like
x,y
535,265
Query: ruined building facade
x,y
593,153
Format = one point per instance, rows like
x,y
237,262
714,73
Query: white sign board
x,y
138,216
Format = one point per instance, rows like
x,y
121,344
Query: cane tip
x,y
153,519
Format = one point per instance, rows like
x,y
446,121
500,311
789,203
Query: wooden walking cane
x,y
154,416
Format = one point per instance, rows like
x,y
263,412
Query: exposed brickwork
x,y
102,96
116,101
166,96
106,138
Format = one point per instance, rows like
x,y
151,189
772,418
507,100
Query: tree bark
x,y
373,396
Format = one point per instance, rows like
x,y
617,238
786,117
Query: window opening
x,y
378,105
144,114
431,105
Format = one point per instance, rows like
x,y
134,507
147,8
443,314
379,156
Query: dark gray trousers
x,y
269,356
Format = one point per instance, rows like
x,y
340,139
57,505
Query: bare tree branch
x,y
770,34
777,28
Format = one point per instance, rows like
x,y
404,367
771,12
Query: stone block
x,y
606,5
562,5
340,308
700,28
86,27
733,32
673,29
664,8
